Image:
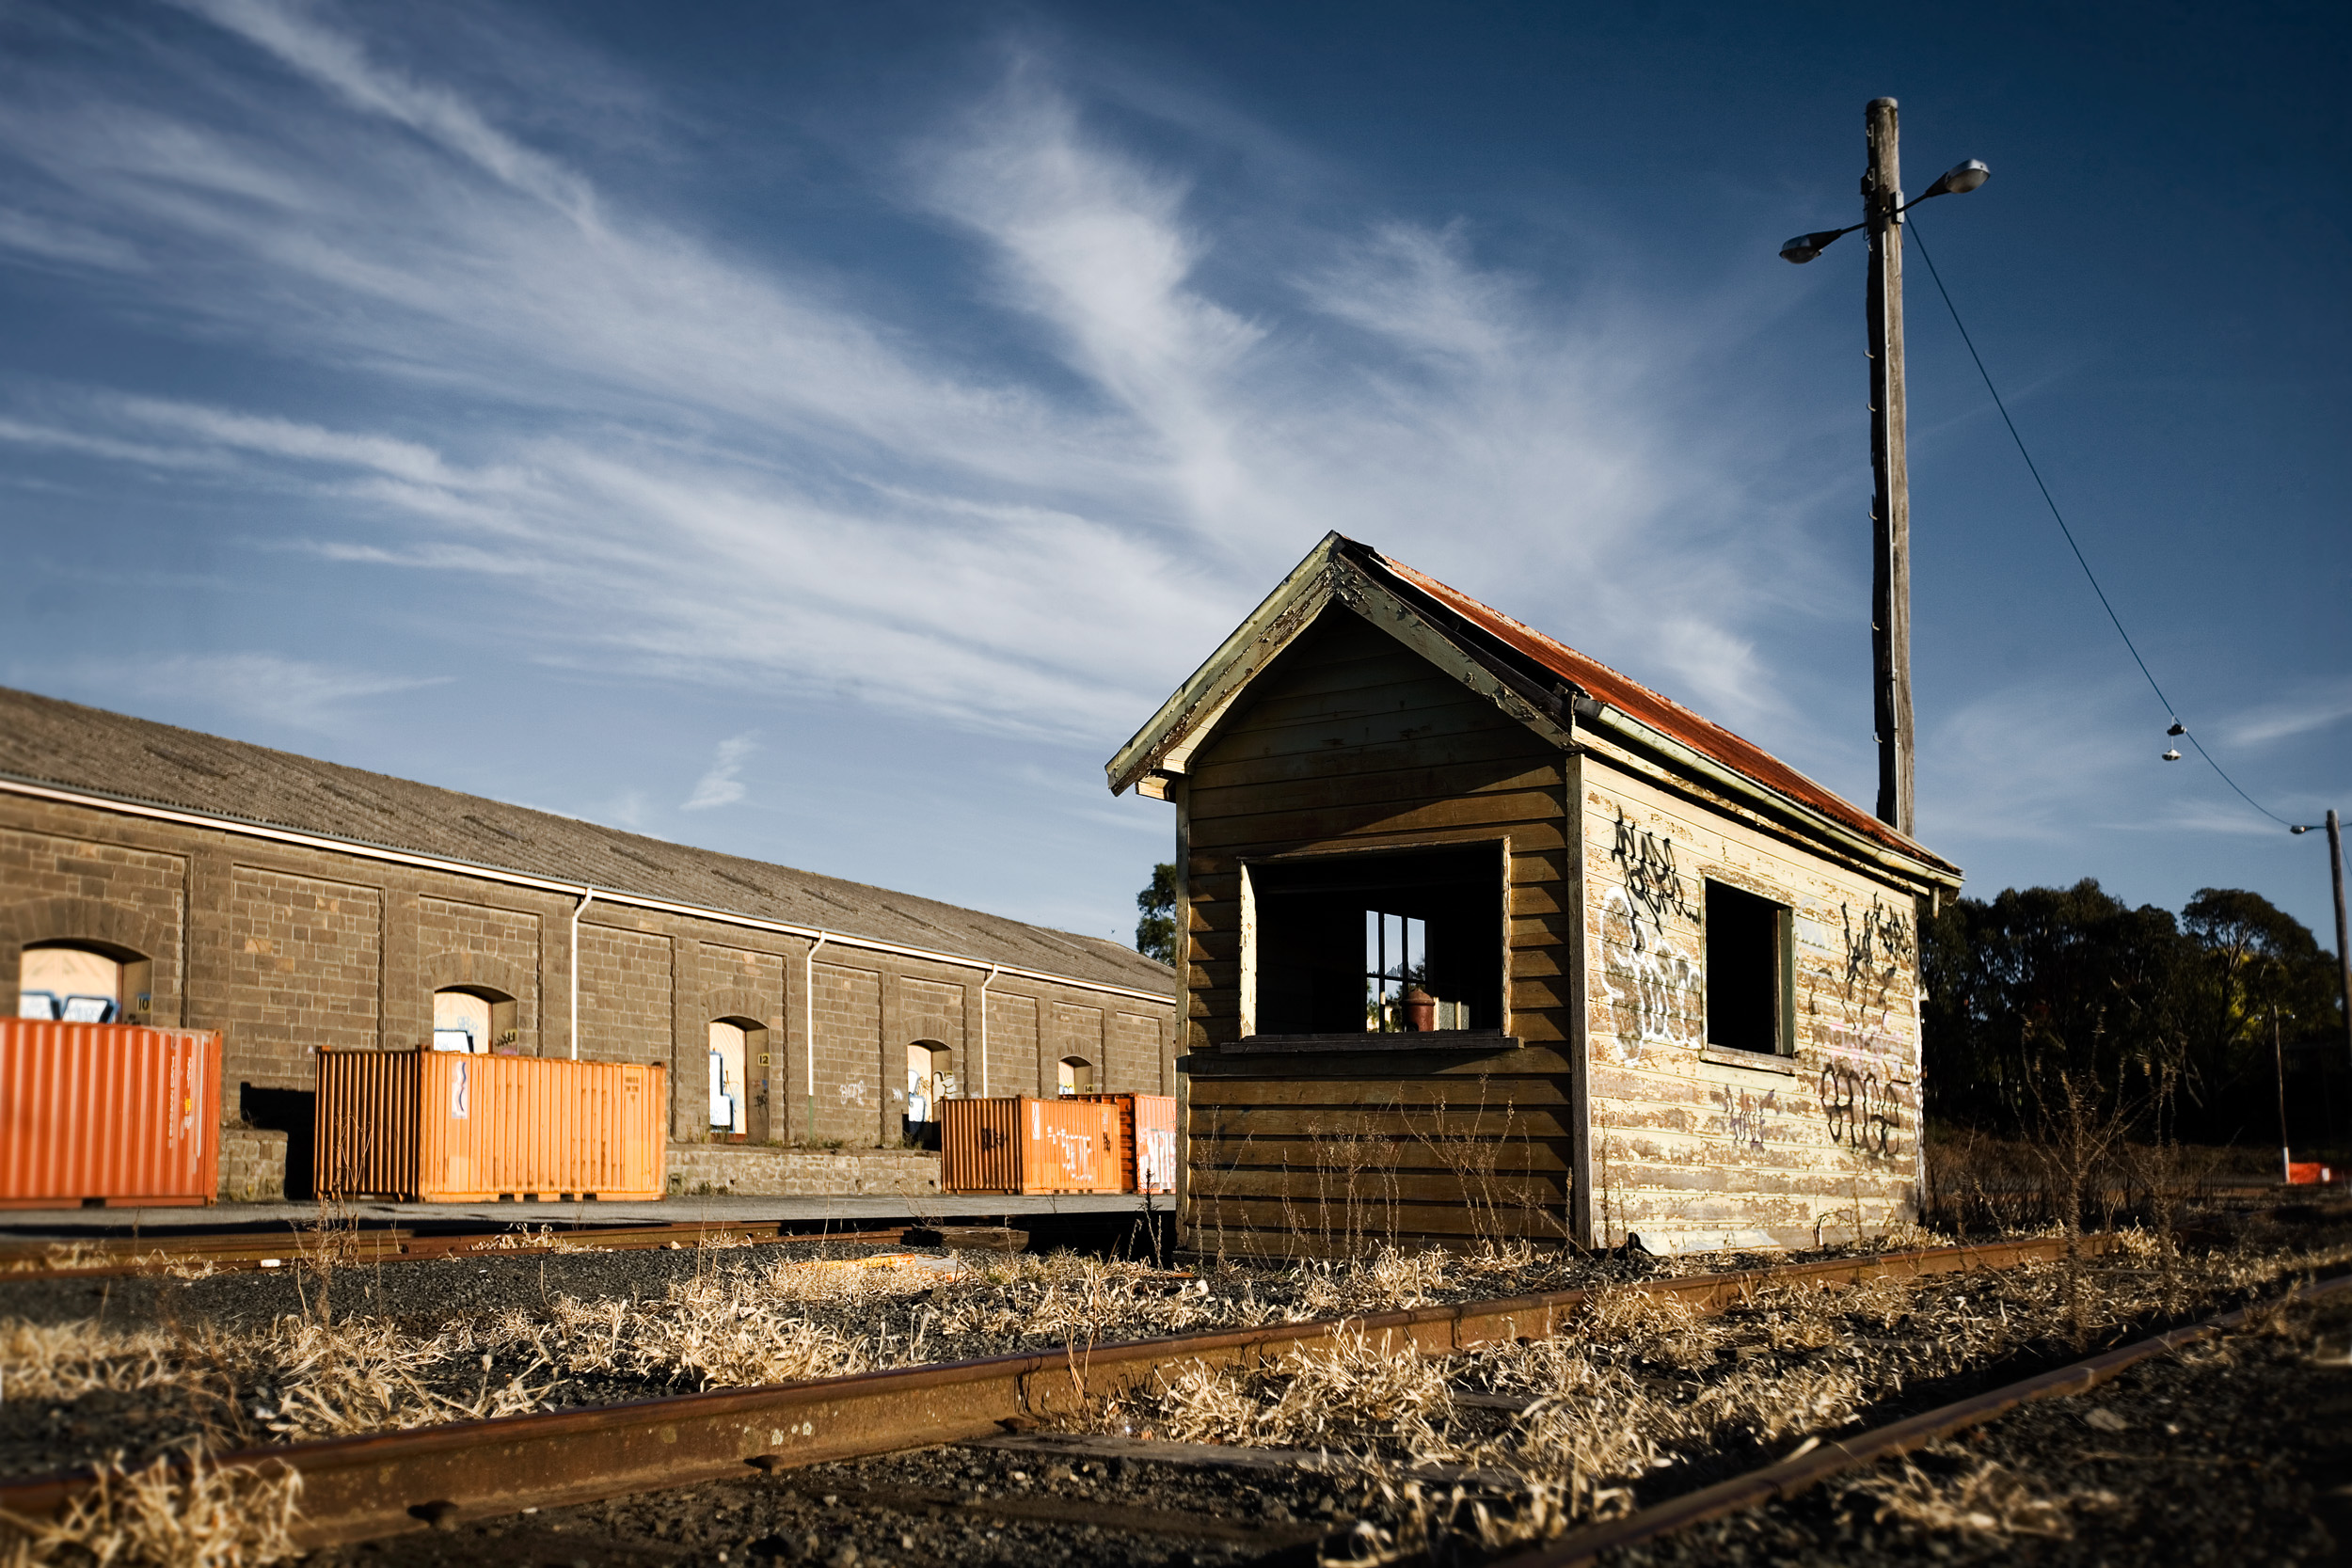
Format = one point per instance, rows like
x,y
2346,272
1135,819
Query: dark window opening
x,y
1383,943
1747,946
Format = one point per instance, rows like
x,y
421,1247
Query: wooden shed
x,y
1481,939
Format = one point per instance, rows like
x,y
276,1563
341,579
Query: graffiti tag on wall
x,y
1880,947
1744,1114
1652,882
1652,988
1863,1107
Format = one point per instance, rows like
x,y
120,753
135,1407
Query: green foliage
x,y
1156,933
2170,1017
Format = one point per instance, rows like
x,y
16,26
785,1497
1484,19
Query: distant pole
x,y
2279,1055
2344,951
1890,506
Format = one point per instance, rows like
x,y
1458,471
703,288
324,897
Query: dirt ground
x,y
2233,1452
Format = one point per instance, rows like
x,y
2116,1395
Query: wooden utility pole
x,y
1890,507
2343,948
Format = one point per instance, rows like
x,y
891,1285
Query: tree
x,y
2043,987
1156,933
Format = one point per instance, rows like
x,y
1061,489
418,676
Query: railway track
x,y
385,1485
226,1251
1817,1464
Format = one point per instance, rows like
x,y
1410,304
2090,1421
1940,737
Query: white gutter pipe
x,y
808,1029
587,896
992,972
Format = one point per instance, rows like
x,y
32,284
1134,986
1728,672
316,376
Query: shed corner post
x,y
1580,1032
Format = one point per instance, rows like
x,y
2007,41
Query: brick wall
x,y
1134,1054
53,886
1012,1044
1077,1032
304,960
463,943
624,996
849,1053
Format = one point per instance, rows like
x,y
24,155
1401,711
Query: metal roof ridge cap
x,y
18,785
1609,715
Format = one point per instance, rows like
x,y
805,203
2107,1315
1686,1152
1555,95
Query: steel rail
x,y
385,1484
248,1250
1801,1471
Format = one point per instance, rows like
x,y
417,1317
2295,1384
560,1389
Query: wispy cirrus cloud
x,y
2315,707
722,783
254,684
707,464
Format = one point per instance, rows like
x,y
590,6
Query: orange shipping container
x,y
1147,1140
443,1126
1020,1144
114,1113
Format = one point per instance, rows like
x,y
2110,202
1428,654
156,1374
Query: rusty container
x,y
448,1127
1147,1140
111,1114
1023,1145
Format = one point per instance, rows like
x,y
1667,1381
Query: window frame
x,y
1250,866
1782,969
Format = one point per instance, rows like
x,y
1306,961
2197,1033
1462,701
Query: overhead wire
x,y
2080,559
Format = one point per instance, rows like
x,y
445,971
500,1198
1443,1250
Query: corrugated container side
x,y
1156,1142
1069,1146
1147,1139
448,1127
979,1149
364,1142
117,1114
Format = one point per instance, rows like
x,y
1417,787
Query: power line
x,y
2079,558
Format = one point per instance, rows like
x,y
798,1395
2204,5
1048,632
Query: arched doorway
x,y
70,981
735,1045
1077,1076
475,1020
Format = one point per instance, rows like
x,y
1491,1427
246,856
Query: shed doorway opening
x,y
474,1019
61,981
1074,1076
1750,980
1379,942
930,1078
729,1107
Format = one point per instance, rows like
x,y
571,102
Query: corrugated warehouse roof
x,y
43,740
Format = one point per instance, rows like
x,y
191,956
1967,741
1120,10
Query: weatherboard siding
x,y
1350,740
1695,1153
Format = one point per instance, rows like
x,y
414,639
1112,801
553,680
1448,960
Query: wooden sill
x,y
1756,1061
1437,1040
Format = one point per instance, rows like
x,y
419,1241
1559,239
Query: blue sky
x,y
825,433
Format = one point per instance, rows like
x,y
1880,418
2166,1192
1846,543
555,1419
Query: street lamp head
x,y
1959,180
2300,827
1806,246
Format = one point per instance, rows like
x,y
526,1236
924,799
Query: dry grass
x,y
171,1515
1982,1496
1644,1385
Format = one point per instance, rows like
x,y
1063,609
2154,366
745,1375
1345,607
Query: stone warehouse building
x,y
154,874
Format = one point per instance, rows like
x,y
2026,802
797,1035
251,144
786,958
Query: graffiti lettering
x,y
1653,990
1879,947
1650,878
1743,1115
1861,1113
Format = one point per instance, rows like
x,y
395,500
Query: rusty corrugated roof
x,y
1627,695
